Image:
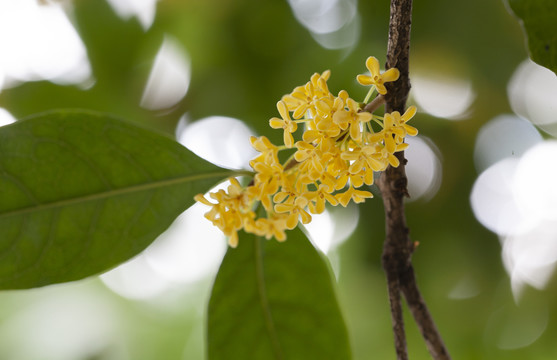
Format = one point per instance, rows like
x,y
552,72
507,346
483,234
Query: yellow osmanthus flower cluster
x,y
338,153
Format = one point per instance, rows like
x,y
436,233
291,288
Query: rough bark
x,y
398,248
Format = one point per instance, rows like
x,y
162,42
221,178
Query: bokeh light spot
x,y
517,199
532,93
465,288
504,136
191,249
136,279
423,169
75,323
530,255
144,10
334,24
170,76
321,229
535,180
332,227
492,200
514,327
187,252
38,42
224,141
443,97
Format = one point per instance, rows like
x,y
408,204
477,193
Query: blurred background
x,y
482,172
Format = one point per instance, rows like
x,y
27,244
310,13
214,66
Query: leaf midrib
x,y
264,301
118,192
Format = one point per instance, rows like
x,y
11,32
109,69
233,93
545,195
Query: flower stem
x,y
369,93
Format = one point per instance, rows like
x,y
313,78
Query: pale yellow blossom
x,y
375,77
285,123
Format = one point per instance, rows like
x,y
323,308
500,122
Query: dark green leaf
x,y
275,301
538,18
81,192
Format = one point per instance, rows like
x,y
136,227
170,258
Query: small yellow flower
x,y
376,78
363,160
355,180
273,226
286,196
231,210
200,198
297,99
353,117
323,121
312,154
392,133
388,158
408,114
319,82
357,196
303,98
329,181
336,164
395,128
317,199
294,210
285,123
269,151
268,179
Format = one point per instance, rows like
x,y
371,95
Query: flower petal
x,y
391,75
372,65
365,80
410,130
381,89
276,123
409,114
288,139
281,106
390,144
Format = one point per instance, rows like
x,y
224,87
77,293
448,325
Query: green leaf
x,y
538,18
275,301
81,192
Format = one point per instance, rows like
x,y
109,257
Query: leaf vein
x,y
264,300
115,192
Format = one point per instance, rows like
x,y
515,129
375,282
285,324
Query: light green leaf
x,y
275,301
539,20
82,192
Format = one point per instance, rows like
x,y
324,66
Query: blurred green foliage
x,y
245,55
538,19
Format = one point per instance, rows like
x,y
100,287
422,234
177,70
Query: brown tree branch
x,y
421,314
396,315
374,104
398,248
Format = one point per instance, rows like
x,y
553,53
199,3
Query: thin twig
x,y
398,248
393,287
421,314
374,104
